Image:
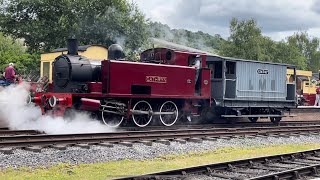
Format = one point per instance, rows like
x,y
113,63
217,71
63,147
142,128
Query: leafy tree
x,y
47,24
309,47
286,53
247,42
14,51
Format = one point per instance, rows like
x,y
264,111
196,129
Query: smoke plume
x,y
16,114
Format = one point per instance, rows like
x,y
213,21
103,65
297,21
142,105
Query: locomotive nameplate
x,y
156,79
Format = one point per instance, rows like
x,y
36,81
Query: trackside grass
x,y
114,169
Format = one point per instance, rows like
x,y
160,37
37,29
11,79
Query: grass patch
x,y
115,169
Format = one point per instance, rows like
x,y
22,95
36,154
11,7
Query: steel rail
x,y
134,136
5,130
223,125
216,169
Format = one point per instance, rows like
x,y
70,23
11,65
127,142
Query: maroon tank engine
x,y
160,89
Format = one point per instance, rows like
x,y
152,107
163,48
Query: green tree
x,y
247,42
309,47
14,51
286,53
47,24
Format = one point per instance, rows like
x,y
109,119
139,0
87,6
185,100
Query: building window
x,y
218,69
46,69
230,67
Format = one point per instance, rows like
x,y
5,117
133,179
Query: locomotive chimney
x,y
73,46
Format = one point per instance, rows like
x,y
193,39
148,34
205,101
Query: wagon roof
x,y
246,60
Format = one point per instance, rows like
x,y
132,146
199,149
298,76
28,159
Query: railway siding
x,y
160,136
305,164
100,153
78,151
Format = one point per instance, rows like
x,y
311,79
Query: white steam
x,y
121,40
17,115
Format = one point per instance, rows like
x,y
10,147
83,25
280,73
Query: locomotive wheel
x,y
253,119
169,119
111,120
142,120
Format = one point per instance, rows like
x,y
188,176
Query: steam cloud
x,y
17,115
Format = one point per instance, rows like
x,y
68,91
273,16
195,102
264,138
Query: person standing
x,y
10,74
197,66
317,101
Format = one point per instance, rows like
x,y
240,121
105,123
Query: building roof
x,y
80,48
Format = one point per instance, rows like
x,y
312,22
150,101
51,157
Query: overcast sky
x,y
277,18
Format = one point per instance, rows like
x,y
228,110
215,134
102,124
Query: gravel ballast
x,y
77,155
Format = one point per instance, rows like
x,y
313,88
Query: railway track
x,y
38,141
7,132
298,165
223,125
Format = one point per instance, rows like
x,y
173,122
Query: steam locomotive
x,y
165,88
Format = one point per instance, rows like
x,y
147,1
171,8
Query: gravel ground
x,y
77,155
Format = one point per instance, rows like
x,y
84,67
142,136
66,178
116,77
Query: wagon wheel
x,y
111,119
142,120
253,119
169,119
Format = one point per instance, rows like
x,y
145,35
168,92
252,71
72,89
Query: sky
x,y
278,19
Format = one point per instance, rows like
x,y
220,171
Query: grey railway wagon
x,y
246,83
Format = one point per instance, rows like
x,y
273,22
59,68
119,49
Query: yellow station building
x,y
94,52
304,81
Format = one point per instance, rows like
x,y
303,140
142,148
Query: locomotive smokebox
x,y
115,52
73,46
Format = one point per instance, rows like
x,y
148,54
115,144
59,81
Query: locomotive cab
x,y
180,58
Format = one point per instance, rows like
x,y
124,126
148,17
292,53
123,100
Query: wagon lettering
x,y
262,84
262,71
156,79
